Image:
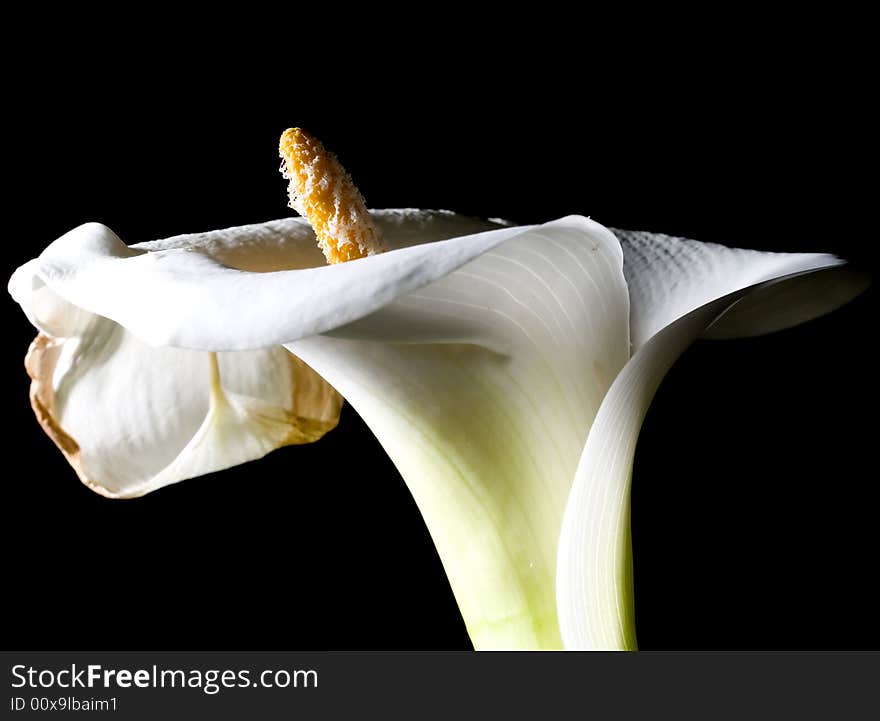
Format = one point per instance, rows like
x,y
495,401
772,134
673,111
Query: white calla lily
x,y
506,371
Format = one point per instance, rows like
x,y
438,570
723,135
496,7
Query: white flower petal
x,y
289,243
480,361
669,277
187,295
131,418
594,578
776,306
44,308
482,387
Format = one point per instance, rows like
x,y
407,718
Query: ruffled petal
x,y
187,292
133,417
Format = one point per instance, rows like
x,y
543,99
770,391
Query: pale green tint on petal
x,y
482,387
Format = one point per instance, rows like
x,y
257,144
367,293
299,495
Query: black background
x,y
755,499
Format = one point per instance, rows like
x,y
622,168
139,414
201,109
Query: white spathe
x,y
506,371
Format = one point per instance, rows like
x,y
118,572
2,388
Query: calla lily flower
x,y
506,371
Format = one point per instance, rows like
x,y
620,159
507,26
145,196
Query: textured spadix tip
x,y
323,192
